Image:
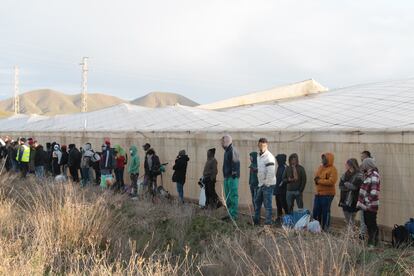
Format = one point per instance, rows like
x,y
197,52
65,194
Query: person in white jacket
x,y
267,181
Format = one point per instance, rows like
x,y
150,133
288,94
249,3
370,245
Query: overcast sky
x,y
205,50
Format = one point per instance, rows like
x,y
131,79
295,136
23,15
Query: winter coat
x,y
292,184
107,161
134,164
368,199
328,176
280,188
266,165
65,158
152,164
253,181
40,158
180,169
74,158
210,168
231,163
349,185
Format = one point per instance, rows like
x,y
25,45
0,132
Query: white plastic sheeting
x,y
386,106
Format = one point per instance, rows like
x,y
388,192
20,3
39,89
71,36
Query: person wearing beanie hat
x,y
209,179
368,200
180,171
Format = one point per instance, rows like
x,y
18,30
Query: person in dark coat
x,y
280,188
64,160
152,167
74,160
40,160
253,180
180,171
209,179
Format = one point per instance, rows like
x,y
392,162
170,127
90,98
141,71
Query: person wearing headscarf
x,y
368,200
349,185
231,174
180,171
56,158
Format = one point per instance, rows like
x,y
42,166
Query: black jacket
x,y
40,157
154,169
74,158
180,169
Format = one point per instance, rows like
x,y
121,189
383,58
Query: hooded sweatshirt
x,y
180,168
253,181
120,157
368,199
328,176
294,177
134,164
210,168
280,187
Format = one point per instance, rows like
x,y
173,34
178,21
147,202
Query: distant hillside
x,y
160,99
51,102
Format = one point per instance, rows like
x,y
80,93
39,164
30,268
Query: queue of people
x,y
269,176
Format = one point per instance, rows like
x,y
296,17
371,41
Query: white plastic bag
x,y
202,198
302,223
314,227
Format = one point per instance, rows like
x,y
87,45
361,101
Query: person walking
x,y
231,174
280,188
325,180
349,185
253,181
368,200
180,171
295,179
133,170
267,180
209,179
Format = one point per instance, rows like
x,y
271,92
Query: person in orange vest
x,y
325,179
23,157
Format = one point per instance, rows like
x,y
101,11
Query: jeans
x,y
180,191
290,198
253,191
40,172
372,227
263,196
231,192
85,176
322,210
134,183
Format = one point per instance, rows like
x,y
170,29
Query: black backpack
x,y
400,236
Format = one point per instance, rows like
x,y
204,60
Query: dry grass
x,y
48,228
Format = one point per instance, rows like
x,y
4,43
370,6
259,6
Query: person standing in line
x,y
253,181
363,227
74,161
231,173
349,185
23,157
152,167
40,161
209,179
368,200
64,160
133,170
180,171
280,188
325,180
56,158
295,178
267,181
121,161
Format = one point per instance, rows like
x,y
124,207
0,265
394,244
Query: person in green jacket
x,y
133,169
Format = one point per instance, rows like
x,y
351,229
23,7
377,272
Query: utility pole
x,y
16,91
84,94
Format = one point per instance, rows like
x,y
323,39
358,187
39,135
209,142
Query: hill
x,y
160,99
51,102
